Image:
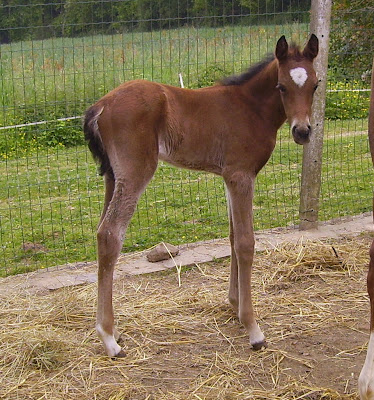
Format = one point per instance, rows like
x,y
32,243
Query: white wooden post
x,y
312,155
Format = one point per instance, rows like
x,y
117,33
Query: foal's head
x,y
297,82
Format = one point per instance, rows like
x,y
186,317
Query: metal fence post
x,y
312,155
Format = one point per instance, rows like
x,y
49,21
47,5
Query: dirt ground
x,y
185,342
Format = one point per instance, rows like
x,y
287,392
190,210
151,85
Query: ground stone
x,y
162,251
190,254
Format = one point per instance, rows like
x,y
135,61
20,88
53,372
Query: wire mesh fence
x,y
58,57
347,171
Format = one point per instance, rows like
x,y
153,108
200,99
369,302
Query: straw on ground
x,y
182,342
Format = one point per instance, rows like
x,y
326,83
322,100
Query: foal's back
x,y
191,128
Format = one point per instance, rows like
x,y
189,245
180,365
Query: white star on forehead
x,y
299,76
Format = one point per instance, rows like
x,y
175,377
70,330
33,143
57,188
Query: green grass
x,y
59,77
53,199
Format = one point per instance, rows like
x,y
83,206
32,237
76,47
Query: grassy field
x,y
51,200
59,77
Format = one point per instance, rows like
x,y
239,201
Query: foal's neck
x,y
262,87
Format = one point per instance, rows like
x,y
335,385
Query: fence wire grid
x,y
58,57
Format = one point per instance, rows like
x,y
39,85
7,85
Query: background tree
x,y
352,39
41,19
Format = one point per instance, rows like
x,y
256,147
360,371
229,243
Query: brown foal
x,y
229,129
366,379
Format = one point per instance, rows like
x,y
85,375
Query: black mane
x,y
249,74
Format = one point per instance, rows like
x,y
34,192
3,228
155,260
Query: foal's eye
x,y
281,88
315,87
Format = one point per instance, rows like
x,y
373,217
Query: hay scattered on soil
x,y
186,343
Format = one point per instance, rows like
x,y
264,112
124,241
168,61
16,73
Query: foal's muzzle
x,y
301,133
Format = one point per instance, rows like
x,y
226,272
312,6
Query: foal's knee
x,y
244,247
109,242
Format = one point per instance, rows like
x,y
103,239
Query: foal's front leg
x,y
233,288
240,188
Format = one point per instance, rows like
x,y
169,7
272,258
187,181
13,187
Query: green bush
x,y
16,142
344,100
351,38
211,74
62,133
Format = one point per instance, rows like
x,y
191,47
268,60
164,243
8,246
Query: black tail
x,y
95,144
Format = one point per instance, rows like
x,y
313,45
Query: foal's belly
x,y
189,159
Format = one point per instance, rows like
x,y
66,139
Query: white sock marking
x,y
256,335
112,348
299,76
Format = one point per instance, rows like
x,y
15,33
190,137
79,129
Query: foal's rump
x,y
125,121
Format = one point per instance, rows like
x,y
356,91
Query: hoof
x,y
259,345
121,354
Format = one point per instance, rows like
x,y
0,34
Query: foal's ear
x,y
281,51
311,49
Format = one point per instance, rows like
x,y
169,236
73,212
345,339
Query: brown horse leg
x,y
109,190
366,379
240,188
127,190
233,289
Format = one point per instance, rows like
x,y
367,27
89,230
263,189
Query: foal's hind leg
x,y
127,190
109,190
